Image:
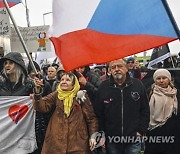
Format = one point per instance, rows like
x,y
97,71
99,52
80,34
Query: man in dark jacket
x,y
123,110
88,81
133,68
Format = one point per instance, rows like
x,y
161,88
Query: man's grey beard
x,y
118,77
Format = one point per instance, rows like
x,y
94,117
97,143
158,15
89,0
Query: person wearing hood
x,y
14,80
164,126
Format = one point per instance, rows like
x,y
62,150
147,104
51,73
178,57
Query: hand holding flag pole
x,y
20,36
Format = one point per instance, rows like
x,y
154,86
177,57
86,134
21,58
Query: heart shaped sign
x,y
16,112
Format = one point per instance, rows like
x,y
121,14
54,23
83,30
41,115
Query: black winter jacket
x,y
122,110
7,89
92,84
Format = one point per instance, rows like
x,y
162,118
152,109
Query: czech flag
x,y
94,31
10,3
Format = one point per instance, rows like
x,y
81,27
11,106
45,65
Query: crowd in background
x,y
101,86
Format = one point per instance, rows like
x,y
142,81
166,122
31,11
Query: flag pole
x,y
171,57
172,62
173,21
27,14
20,36
28,21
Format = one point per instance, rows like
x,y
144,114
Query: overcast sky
x,y
39,7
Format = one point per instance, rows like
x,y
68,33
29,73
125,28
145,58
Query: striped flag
x,y
17,125
94,31
10,3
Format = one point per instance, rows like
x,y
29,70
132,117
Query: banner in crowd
x,y
159,54
4,22
10,3
17,125
86,32
35,38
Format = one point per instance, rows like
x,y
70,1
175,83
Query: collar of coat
x,y
126,83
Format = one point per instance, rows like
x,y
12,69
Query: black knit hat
x,y
16,57
130,59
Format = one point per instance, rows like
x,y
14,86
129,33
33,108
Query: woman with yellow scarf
x,y
73,120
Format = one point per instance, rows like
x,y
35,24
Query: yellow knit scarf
x,y
67,96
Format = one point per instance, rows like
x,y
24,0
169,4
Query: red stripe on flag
x,y
9,3
86,46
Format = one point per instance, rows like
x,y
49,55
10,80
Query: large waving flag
x,y
17,125
10,3
94,31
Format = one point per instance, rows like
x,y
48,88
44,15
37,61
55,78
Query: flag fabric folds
x,y
159,54
10,3
86,31
17,125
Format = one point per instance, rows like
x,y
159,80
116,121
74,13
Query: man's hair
x,y
123,59
19,73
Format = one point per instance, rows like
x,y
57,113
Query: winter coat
x,y
42,120
50,81
16,58
122,110
19,89
64,134
170,130
92,84
135,73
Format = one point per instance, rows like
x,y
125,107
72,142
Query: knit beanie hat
x,y
162,72
130,59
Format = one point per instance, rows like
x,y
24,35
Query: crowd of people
x,y
74,108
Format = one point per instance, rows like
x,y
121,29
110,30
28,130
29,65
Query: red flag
x,y
86,32
10,3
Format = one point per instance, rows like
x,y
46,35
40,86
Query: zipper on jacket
x,y
122,112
